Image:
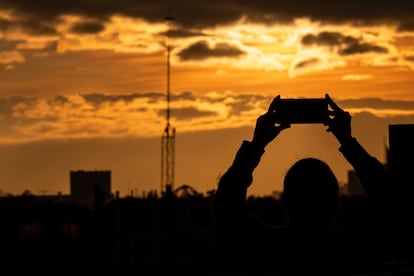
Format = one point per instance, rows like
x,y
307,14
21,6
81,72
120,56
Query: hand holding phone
x,y
302,111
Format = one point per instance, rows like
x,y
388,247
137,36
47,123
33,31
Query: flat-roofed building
x,y
90,188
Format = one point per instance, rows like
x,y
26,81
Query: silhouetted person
x,y
310,240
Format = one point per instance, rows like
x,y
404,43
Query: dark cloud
x,y
186,95
88,27
205,13
409,58
38,27
393,59
61,99
307,62
187,14
181,33
362,48
347,45
201,50
326,39
31,25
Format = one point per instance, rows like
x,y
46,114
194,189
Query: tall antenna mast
x,y
169,18
168,136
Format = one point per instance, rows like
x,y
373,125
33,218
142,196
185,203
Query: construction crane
x,y
168,136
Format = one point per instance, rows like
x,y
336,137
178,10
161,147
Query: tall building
x,y
401,169
401,156
91,189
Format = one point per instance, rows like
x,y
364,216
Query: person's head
x,y
310,194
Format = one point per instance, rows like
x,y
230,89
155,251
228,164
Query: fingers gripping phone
x,y
302,111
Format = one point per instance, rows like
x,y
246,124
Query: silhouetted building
x,y
401,154
401,169
90,188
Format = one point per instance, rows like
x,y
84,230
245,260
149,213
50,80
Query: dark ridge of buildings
x,y
171,234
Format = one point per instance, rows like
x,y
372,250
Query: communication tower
x,y
168,136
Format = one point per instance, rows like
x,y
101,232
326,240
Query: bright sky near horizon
x,y
76,73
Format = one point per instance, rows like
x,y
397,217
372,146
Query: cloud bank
x,y
26,119
41,15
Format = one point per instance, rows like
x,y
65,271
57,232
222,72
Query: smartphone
x,y
302,111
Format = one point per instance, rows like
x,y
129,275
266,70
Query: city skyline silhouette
x,y
119,119
182,232
78,82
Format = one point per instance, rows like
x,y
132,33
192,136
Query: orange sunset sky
x,y
83,85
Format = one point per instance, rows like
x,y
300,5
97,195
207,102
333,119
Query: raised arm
x,y
229,200
370,171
